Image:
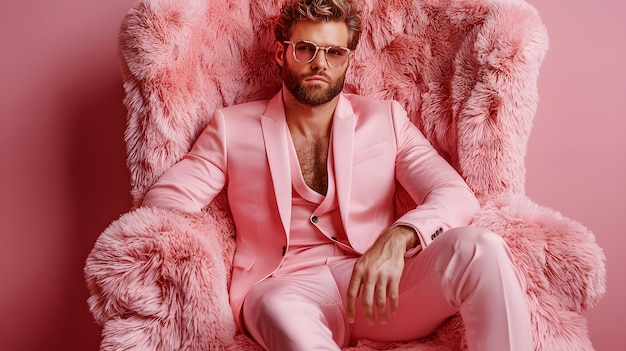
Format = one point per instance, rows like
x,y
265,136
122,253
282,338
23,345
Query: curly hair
x,y
347,11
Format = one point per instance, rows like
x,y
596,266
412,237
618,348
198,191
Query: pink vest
x,y
316,229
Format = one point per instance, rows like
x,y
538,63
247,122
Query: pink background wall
x,y
576,160
63,178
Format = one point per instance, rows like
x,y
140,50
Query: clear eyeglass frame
x,y
317,49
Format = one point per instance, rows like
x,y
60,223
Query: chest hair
x,y
313,159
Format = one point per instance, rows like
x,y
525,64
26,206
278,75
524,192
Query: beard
x,y
314,96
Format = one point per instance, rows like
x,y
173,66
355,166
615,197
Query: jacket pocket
x,y
243,261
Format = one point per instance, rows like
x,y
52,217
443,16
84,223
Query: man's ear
x,y
279,54
350,59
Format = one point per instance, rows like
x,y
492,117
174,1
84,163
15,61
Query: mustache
x,y
315,74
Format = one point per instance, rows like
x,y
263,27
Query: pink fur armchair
x,y
465,70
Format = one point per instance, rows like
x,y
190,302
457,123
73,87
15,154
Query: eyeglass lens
x,y
336,56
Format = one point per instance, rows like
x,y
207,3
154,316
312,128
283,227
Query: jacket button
x,y
314,219
436,234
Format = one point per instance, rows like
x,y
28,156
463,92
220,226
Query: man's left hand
x,y
378,271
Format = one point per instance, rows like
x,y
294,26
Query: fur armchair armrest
x,y
158,280
556,255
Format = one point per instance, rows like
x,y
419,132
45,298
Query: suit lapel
x,y
343,149
277,146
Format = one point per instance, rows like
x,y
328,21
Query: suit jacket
x,y
375,146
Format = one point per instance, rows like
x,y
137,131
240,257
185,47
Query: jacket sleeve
x,y
443,199
194,181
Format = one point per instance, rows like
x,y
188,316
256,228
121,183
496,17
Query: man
x,y
321,259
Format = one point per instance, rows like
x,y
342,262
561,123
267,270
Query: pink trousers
x,y
466,270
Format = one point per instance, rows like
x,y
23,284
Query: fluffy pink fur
x,y
465,70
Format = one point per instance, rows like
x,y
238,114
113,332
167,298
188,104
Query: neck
x,y
307,120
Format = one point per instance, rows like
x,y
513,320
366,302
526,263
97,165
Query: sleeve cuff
x,y
414,251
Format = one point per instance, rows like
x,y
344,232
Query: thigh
x,y
305,304
423,304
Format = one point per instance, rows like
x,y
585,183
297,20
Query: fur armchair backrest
x,y
465,70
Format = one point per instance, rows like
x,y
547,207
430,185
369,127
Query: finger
x,y
381,301
352,294
393,292
367,297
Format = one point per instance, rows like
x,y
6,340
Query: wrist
x,y
410,236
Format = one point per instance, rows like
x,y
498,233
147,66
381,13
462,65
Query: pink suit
x,y
374,147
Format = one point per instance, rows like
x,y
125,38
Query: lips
x,y
317,78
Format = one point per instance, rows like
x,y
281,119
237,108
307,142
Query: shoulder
x,y
357,99
369,105
245,116
367,108
253,108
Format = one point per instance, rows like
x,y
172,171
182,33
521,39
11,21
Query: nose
x,y
319,62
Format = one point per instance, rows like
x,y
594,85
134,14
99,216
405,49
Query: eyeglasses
x,y
306,51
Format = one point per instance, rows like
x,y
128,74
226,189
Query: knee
x,y
476,247
270,304
477,240
488,241
476,255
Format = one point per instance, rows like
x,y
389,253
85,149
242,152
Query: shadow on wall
x,y
100,185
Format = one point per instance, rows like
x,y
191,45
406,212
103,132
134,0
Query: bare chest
x,y
313,160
